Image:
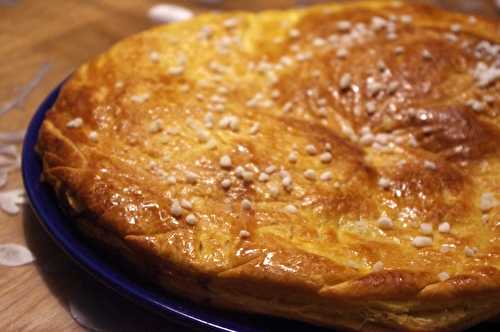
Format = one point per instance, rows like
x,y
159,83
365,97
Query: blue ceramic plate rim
x,y
188,313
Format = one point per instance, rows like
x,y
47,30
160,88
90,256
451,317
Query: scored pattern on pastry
x,y
328,155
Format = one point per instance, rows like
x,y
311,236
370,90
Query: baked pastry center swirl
x,y
337,164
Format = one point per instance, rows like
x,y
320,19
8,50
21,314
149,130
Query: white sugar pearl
x,y
186,204
171,179
139,99
345,81
247,176
406,19
225,162
154,56
239,171
284,174
344,26
274,191
430,165
392,87
270,169
443,276
370,107
378,266
422,241
399,50
384,183
255,128
176,209
311,149
469,251
426,55
226,183
244,234
384,222
487,201
294,33
231,22
426,228
325,157
310,174
176,70
263,177
444,227
290,208
326,176
191,219
191,177
287,182
93,136
445,248
342,53
293,157
246,204
75,123
456,28
203,136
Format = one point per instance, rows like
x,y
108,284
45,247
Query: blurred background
x,y
41,43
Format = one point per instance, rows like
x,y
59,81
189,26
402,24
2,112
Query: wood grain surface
x,y
61,34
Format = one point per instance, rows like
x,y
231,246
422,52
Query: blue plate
x,y
45,206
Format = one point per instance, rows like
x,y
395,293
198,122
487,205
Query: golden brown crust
x,y
402,112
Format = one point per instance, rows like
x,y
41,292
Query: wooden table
x,y
58,35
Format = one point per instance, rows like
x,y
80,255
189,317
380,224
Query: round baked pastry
x,y
338,164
